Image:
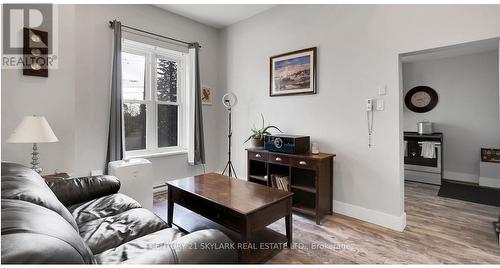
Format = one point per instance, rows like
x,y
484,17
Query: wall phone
x,y
369,105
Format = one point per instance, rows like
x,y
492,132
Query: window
x,y
153,99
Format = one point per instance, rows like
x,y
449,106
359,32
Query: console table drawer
x,y
258,156
303,163
279,159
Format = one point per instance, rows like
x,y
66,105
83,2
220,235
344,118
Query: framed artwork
x,y
293,73
35,50
206,95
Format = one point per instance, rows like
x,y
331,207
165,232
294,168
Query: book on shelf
x,y
280,182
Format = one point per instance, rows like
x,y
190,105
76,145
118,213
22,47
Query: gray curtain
x,y
199,144
115,144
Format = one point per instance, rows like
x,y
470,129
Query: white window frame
x,y
152,53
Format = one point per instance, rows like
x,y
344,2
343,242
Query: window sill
x,y
155,155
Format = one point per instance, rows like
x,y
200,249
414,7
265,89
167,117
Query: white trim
x,y
160,188
151,54
397,223
153,154
489,182
151,48
459,176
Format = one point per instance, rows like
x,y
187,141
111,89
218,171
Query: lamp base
x,y
34,160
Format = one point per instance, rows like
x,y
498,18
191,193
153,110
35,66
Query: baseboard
x,y
459,176
489,182
159,188
397,223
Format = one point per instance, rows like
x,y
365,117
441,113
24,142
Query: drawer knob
x,y
303,163
278,159
217,215
258,156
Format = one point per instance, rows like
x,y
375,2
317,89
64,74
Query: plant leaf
x,y
251,136
272,127
262,121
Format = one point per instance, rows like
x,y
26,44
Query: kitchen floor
x,y
439,230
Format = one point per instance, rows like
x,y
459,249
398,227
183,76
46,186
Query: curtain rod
x,y
154,34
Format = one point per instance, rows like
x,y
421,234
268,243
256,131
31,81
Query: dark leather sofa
x,y
85,221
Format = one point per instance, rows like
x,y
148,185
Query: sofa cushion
x,y
102,207
22,183
78,190
169,246
135,248
109,232
35,234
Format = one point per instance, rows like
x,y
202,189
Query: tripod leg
x,y
231,167
234,171
224,171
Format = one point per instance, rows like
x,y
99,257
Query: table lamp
x,y
33,129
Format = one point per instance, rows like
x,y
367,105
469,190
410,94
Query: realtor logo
x,y
35,18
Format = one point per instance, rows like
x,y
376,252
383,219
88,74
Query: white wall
x,y
75,98
467,112
52,97
358,48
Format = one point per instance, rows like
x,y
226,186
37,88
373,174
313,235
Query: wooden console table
x,y
310,178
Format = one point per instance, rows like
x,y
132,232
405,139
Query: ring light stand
x,y
229,100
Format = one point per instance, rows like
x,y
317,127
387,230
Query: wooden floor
x,y
439,230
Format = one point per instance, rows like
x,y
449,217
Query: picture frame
x,y
35,52
206,95
293,73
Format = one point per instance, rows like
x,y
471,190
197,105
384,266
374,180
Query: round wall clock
x,y
421,99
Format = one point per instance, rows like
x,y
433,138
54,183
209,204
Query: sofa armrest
x,y
81,189
200,247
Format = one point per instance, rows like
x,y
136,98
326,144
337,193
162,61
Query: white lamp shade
x,y
33,129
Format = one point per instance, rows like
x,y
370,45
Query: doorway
x,y
451,118
450,99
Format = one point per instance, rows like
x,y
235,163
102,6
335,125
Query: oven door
x,y
418,163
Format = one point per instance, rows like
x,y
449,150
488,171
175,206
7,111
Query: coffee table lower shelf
x,y
189,222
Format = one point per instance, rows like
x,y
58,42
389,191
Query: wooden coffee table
x,y
238,205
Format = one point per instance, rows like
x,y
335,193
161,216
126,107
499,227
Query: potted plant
x,y
258,135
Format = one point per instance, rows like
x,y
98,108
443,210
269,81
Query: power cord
x,y
369,120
